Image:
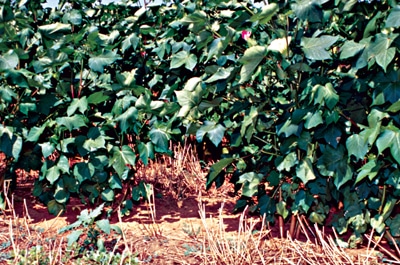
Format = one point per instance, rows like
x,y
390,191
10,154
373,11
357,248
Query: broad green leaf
x,y
326,95
393,20
127,119
316,48
288,162
61,196
17,77
83,171
55,30
197,21
192,84
107,195
266,14
146,151
390,139
305,171
317,218
313,120
131,41
121,158
216,169
215,132
188,100
395,107
333,162
388,89
183,58
160,138
47,149
7,94
281,209
104,225
370,169
357,146
74,17
220,74
8,60
372,25
350,49
115,182
72,123
74,236
248,125
250,60
309,10
97,63
215,49
80,104
384,58
281,45
394,226
52,174
55,208
250,181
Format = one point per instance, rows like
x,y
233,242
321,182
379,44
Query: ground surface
x,y
166,231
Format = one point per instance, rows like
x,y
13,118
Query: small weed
x,y
88,233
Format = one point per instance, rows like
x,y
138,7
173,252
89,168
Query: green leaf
x,y
55,208
61,196
313,120
47,149
121,158
55,30
247,128
370,170
9,60
350,49
281,209
309,10
288,162
80,104
35,133
357,146
52,174
385,57
216,169
316,48
74,236
160,137
189,100
250,60
115,182
220,74
104,225
107,195
395,107
83,171
127,119
333,162
390,139
196,21
250,181
394,226
266,14
305,171
393,20
215,132
97,63
146,151
74,17
183,58
73,122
